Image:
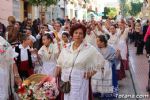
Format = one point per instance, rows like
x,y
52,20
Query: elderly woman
x,y
122,44
77,63
104,82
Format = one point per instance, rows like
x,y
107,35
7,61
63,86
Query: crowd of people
x,y
91,55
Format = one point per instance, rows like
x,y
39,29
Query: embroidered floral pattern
x,y
3,48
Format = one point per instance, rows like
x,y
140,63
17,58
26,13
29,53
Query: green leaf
x,y
45,3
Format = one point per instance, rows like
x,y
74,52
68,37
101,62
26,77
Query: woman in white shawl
x,y
122,43
77,63
8,70
48,54
104,82
114,41
113,36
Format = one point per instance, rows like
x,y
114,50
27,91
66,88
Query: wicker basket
x,y
34,78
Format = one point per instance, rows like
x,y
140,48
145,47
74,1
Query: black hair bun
x,y
107,36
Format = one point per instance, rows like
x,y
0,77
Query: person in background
x,y
29,22
90,36
58,30
2,30
106,26
11,34
145,27
147,41
122,48
19,32
113,36
35,27
139,38
104,82
65,40
73,21
24,59
66,26
123,35
31,37
66,19
48,54
24,24
43,30
113,41
131,33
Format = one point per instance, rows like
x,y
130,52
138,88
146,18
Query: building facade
x,y
145,11
6,9
71,8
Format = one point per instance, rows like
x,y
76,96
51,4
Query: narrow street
x,y
137,78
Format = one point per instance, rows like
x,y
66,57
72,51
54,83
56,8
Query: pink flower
x,y
2,51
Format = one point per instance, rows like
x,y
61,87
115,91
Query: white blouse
x,y
122,45
113,40
88,57
50,53
123,36
91,38
24,53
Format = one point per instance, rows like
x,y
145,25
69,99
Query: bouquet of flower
x,y
45,89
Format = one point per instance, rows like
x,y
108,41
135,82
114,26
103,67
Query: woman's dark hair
x,y
23,37
48,36
66,34
45,25
19,23
78,26
114,25
104,38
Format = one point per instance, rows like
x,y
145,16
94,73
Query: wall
x,y
5,10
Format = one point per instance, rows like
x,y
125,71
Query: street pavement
x,y
139,69
136,78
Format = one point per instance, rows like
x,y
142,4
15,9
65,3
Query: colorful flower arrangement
x,y
46,89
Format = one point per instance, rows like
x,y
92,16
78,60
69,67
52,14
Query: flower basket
x,y
38,87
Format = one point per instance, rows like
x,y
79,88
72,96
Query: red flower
x,y
21,90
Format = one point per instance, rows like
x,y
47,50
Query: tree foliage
x,y
130,7
42,2
110,12
135,8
